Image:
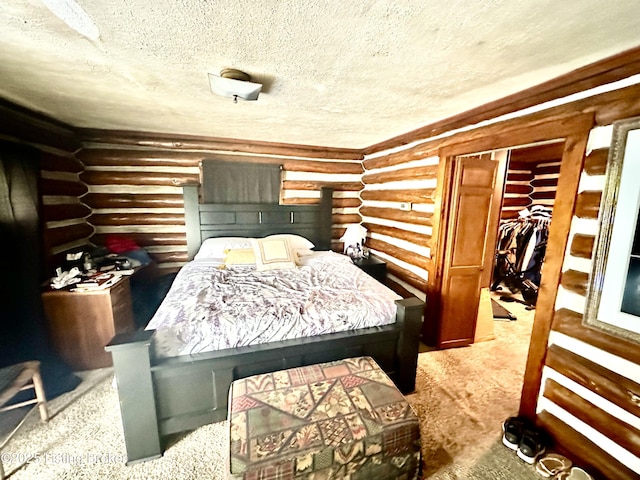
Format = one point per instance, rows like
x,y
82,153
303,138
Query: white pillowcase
x,y
273,253
303,252
216,247
295,241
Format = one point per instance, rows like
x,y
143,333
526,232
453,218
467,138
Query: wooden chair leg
x,y
40,395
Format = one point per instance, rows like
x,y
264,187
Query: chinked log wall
x,y
517,189
63,214
589,381
135,184
401,236
529,184
545,183
587,378
532,178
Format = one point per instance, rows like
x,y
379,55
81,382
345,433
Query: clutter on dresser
x,y
92,268
65,278
73,260
97,281
115,263
75,280
120,253
70,272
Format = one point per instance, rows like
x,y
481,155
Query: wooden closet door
x,y
472,193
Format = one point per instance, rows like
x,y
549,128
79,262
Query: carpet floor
x,y
462,397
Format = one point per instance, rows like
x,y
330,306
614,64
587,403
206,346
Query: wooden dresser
x,y
80,324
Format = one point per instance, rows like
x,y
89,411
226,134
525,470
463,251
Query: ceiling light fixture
x,y
234,84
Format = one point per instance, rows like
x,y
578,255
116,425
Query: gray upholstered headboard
x,y
255,219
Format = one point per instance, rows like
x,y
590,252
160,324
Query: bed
x,y
165,389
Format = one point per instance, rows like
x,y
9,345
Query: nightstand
x,y
373,266
80,324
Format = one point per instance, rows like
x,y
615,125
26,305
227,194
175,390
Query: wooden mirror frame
x,y
609,203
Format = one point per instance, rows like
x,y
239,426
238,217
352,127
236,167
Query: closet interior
x,y
530,189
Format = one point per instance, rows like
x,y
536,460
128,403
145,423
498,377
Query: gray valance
x,y
231,182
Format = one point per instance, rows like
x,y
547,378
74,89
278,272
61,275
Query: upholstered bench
x,y
331,420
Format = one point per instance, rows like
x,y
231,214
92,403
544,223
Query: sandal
x,y
575,473
553,464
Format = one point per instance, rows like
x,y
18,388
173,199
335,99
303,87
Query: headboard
x,y
204,220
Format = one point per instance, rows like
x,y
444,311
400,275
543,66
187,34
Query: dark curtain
x,y
230,182
22,325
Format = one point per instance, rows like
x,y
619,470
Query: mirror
x,y
613,296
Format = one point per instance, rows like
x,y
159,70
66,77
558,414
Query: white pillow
x,y
295,241
216,247
303,252
273,253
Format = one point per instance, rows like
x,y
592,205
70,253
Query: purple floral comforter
x,y
209,308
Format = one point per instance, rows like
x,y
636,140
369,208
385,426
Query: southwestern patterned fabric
x,y
337,420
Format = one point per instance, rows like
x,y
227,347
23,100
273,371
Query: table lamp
x,y
353,238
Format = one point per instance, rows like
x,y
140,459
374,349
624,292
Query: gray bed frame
x,y
163,396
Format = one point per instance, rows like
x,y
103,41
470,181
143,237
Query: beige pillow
x,y
240,256
273,254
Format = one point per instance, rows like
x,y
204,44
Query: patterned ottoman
x,y
342,419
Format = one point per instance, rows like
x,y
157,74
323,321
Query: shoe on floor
x,y
531,445
552,464
574,473
513,428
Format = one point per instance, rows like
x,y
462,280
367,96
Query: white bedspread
x,y
208,308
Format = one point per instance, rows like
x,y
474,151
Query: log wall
x,y
136,190
583,412
591,380
64,214
532,178
545,183
517,189
397,206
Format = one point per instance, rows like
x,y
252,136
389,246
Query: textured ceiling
x,y
336,73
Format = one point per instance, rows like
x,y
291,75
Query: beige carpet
x,y
463,396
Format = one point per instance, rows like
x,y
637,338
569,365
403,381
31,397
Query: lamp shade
x,y
354,235
234,84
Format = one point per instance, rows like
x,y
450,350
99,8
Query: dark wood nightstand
x,y
374,267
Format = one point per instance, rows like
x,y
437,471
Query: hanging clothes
x,y
521,245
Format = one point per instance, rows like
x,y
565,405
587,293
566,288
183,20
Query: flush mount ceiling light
x,y
234,84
